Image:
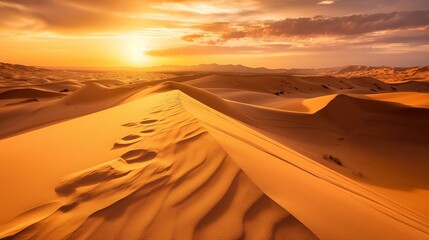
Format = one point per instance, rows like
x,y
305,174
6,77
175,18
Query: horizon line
x,y
194,65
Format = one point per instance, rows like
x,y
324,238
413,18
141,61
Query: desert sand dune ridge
x,y
99,178
424,219
118,166
212,156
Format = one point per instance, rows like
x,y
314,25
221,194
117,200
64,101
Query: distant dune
x,y
386,74
218,152
213,68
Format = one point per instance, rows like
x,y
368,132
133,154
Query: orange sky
x,y
269,33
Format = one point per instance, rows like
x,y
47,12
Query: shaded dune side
x,y
349,112
287,85
346,115
90,98
383,213
368,117
342,113
389,137
28,93
80,99
334,110
177,183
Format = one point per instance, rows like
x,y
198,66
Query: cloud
x,y
217,50
197,50
407,37
353,25
192,37
348,25
214,26
326,2
79,16
414,39
342,7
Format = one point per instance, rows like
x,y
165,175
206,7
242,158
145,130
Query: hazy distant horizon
x,y
195,65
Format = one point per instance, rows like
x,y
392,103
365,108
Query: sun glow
x,y
133,49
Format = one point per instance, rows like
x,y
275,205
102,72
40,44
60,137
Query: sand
x,y
122,155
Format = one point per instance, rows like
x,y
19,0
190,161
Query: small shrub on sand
x,y
358,174
333,159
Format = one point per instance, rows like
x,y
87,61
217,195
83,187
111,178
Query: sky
x,y
256,33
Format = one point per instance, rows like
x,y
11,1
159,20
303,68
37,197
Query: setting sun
x,y
134,48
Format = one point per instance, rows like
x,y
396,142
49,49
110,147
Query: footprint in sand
x,y
130,124
128,140
147,132
138,155
148,121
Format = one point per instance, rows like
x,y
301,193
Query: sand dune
x,y
387,74
212,156
176,179
27,93
383,73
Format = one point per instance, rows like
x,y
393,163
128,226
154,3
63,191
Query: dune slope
x,y
170,178
214,156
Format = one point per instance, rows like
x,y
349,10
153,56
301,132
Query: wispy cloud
x,y
326,2
192,37
328,26
218,50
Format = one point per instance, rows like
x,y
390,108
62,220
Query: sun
x,y
133,49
